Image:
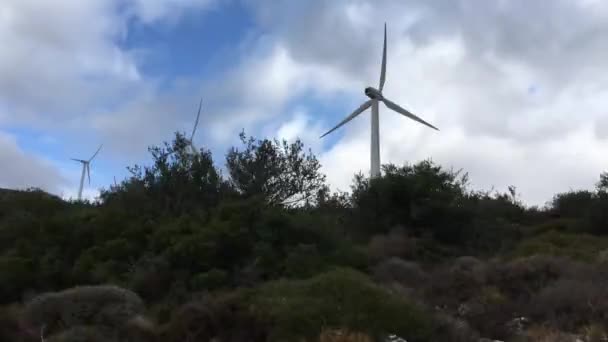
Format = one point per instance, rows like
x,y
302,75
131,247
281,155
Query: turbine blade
x,y
200,105
88,172
400,110
383,70
78,160
94,155
357,111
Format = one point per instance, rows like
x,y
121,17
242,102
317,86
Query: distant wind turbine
x,y
376,96
85,169
190,141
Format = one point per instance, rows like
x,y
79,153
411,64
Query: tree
x,y
602,184
178,181
421,197
279,172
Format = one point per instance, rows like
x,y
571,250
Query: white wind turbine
x,y
85,169
376,96
189,141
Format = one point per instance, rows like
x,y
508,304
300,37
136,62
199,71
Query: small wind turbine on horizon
x,y
376,96
86,168
190,141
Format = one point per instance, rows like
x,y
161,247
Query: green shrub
x,y
303,261
583,247
150,277
85,334
15,276
350,255
338,299
212,280
397,243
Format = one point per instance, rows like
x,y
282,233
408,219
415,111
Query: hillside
x,y
181,252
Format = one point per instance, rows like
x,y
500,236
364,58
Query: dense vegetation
x,y
180,251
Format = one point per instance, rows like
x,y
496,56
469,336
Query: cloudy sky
x,y
519,88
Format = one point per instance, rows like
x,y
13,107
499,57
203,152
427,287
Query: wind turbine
x,y
375,96
85,169
189,141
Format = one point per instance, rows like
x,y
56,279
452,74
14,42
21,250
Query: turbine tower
x,y
190,143
85,169
375,96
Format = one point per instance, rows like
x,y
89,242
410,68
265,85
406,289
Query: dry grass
x,y
544,334
337,335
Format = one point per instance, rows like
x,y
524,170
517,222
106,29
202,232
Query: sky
x,y
518,88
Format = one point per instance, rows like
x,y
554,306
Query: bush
x,y
398,244
103,305
11,329
15,274
449,328
85,334
522,278
583,247
338,299
452,284
394,244
339,335
150,277
544,334
571,303
303,261
351,256
210,281
406,273
221,317
573,204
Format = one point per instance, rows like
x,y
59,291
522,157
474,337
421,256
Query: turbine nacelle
x,y
373,93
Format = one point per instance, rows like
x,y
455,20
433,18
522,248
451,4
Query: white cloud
x,y
64,58
303,126
150,11
517,95
62,55
22,170
261,87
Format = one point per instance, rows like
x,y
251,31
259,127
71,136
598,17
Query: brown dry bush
x,y
488,312
12,330
544,334
571,303
449,328
456,282
406,273
394,244
101,306
520,279
210,318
